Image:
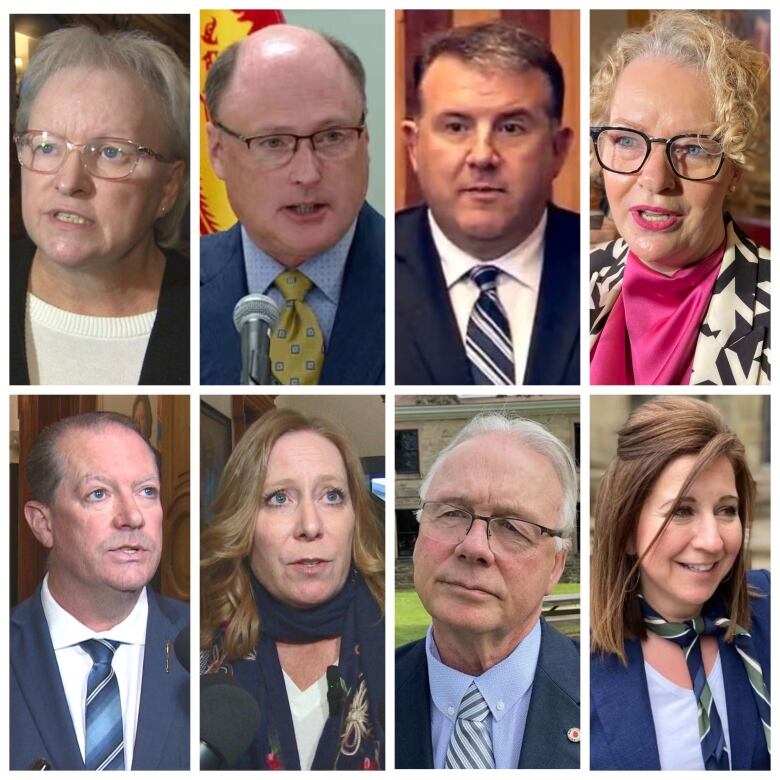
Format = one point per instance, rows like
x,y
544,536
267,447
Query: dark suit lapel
x,y
359,325
744,726
621,702
157,708
555,706
413,745
555,335
218,296
432,325
35,666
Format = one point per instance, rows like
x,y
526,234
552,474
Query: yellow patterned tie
x,y
296,345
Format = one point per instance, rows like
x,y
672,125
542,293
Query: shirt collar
x,y
502,686
326,270
523,262
66,630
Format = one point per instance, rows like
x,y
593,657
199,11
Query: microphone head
x,y
182,647
255,307
229,717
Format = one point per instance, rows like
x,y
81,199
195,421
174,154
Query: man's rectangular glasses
x,y
451,524
692,157
276,150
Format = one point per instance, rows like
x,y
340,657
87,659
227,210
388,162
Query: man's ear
x,y
563,138
216,149
410,131
39,519
557,569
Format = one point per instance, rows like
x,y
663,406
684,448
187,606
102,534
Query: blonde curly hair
x,y
737,71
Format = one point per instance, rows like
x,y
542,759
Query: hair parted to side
x,y
528,434
656,433
737,71
220,74
45,465
494,46
142,57
227,604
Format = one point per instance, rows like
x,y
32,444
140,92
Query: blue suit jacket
x,y
428,346
356,350
621,721
553,710
41,725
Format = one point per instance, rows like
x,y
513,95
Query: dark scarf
x,y
353,736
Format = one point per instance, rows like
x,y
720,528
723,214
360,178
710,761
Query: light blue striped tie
x,y
488,337
471,746
105,744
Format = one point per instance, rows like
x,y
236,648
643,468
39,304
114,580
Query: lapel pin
x,y
168,656
573,734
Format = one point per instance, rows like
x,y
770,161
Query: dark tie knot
x,y
484,276
101,651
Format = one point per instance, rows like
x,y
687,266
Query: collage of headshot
x,y
386,556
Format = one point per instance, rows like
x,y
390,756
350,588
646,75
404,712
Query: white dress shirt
x,y
517,285
309,710
75,663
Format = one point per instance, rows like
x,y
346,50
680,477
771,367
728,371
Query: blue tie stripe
x,y
488,336
104,749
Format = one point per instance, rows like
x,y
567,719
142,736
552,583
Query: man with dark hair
x,y
487,271
287,134
93,681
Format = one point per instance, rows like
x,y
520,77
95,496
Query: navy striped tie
x,y
105,744
488,337
471,746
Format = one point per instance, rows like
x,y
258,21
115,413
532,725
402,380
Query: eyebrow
x,y
288,130
151,477
498,511
638,126
692,500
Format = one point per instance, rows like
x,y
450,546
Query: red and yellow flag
x,y
218,29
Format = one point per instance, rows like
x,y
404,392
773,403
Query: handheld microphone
x,y
254,316
335,691
181,647
229,720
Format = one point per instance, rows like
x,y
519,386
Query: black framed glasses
x,y
105,158
451,524
694,157
278,149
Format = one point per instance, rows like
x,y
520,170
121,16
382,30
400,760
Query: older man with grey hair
x,y
491,685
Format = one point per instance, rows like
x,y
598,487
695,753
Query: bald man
x,y
287,134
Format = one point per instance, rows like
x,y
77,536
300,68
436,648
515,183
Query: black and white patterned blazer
x,y
733,343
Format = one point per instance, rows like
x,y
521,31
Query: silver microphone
x,y
254,316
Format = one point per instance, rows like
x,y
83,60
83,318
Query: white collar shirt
x,y
517,285
75,663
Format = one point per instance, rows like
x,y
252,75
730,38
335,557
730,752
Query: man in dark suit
x,y
487,271
491,685
287,134
94,681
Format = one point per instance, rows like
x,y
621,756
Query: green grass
x,y
411,619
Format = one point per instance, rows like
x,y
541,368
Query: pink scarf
x,y
649,337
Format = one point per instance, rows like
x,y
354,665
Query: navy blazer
x,y
623,734
41,725
553,710
428,347
356,350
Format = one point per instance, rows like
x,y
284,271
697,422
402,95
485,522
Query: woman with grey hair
x,y
98,293
682,297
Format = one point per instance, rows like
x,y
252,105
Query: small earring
x,y
732,188
162,210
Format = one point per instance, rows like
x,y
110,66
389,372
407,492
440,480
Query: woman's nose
x,y
656,174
